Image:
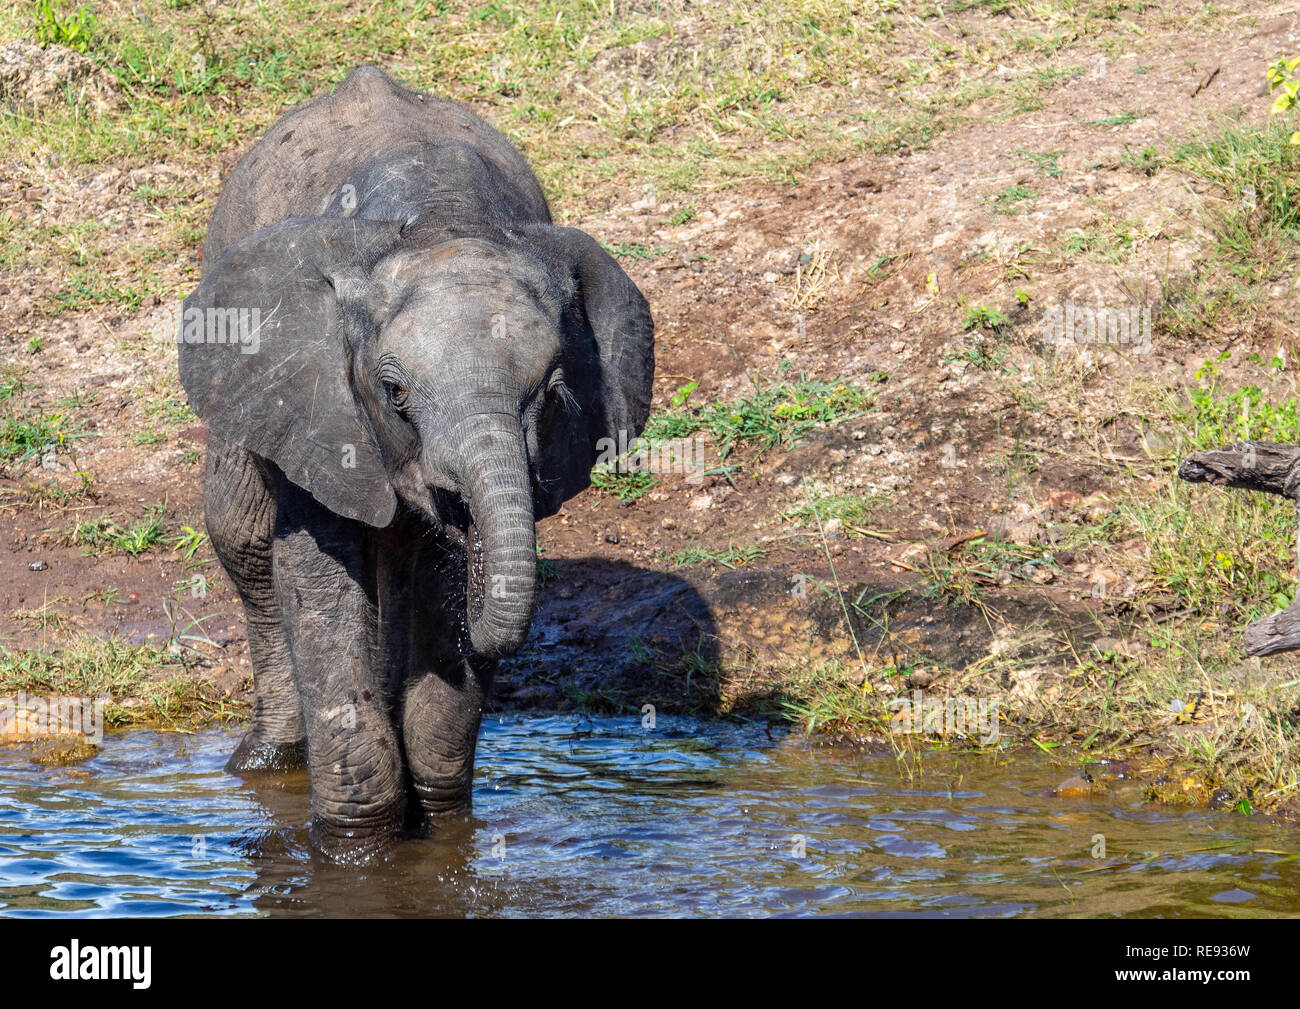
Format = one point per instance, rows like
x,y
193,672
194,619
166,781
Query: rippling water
x,y
594,816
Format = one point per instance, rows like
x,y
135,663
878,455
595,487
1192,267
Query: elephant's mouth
x,y
453,516
458,525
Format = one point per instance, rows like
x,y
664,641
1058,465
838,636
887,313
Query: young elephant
x,y
402,364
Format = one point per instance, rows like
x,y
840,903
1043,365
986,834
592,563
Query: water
x,y
594,816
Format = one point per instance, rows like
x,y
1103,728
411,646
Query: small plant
x,y
171,410
188,542
1048,161
76,30
25,436
849,509
635,250
105,536
773,414
626,485
195,585
1284,78
682,394
35,345
547,570
1144,162
11,385
881,266
1121,119
733,557
983,317
1005,201
978,354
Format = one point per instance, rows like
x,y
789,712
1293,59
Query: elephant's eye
x,y
397,394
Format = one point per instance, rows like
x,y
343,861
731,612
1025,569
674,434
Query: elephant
x,y
403,364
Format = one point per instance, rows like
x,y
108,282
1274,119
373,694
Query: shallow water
x,y
595,816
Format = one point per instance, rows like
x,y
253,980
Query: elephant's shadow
x,y
607,635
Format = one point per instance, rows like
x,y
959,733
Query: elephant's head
x,y
469,374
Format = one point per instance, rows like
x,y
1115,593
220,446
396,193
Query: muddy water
x,y
582,816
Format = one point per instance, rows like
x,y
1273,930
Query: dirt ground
x,y
864,270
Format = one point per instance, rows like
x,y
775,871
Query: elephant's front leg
x,y
445,690
441,711
323,586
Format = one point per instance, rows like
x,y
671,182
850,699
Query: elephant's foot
x,y
356,841
256,756
434,806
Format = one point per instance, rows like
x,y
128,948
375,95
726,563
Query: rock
x,y
32,79
1074,788
62,751
1041,576
37,566
1063,500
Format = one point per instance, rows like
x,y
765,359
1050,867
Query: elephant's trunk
x,y
503,546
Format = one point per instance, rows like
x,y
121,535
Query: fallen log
x,y
1273,468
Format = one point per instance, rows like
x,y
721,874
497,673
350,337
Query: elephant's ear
x,y
266,344
608,363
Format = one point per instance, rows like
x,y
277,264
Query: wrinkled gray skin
x,y
434,367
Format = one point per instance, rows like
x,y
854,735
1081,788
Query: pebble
x,y
37,566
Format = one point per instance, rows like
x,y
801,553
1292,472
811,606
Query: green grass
x,y
1110,244
1049,162
1147,161
821,506
165,694
170,409
626,485
732,557
771,415
74,28
1120,119
106,536
663,98
1005,202
1223,554
635,250
829,698
24,434
1256,223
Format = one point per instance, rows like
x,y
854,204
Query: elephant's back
x,y
377,149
